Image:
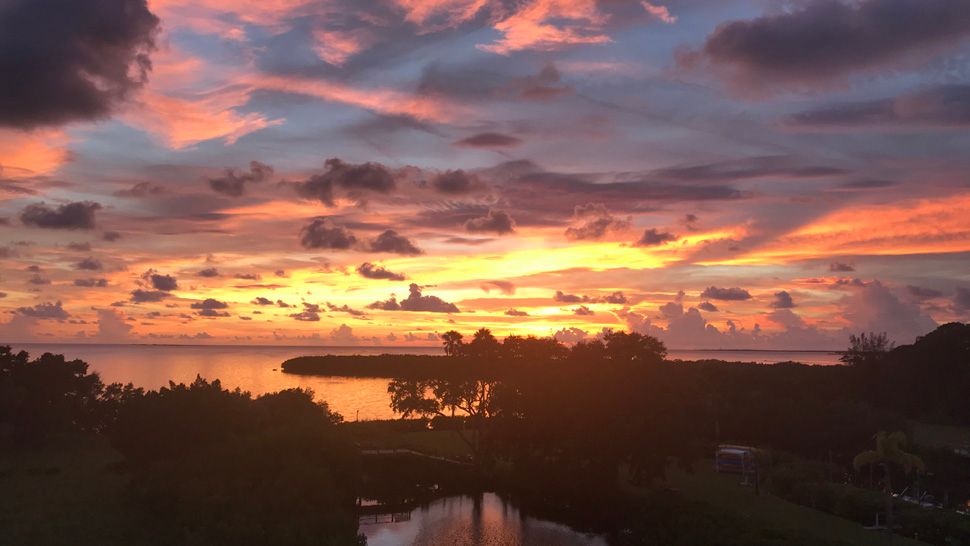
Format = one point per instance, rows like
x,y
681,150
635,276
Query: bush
x,y
46,396
219,467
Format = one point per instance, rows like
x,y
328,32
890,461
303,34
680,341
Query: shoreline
x,y
389,366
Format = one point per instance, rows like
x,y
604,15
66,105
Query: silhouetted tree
x,y
634,347
45,396
452,341
219,467
483,345
467,403
866,349
889,452
531,349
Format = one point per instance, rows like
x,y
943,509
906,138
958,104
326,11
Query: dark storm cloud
x,y
318,187
505,287
310,313
210,307
467,241
78,215
233,183
782,300
690,222
323,233
262,301
747,168
208,272
961,300
542,86
371,271
166,283
495,221
824,40
355,180
45,311
91,283
922,294
583,311
942,106
416,302
465,81
345,309
595,221
862,185
548,193
141,189
839,267
148,296
80,247
456,182
64,60
707,306
392,242
111,236
654,237
489,140
569,298
726,294
616,297
88,264
37,280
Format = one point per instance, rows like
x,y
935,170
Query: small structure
x,y
735,459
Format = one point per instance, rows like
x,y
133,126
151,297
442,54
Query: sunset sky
x,y
720,174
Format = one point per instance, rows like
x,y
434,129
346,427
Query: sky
x,y
728,174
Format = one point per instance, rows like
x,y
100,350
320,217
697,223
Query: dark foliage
x,y
220,467
46,396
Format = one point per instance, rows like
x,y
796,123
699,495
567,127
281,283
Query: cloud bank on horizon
x,y
736,174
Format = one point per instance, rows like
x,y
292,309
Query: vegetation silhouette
x,y
889,451
589,434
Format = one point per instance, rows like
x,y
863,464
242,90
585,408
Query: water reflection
x,y
256,368
479,520
250,368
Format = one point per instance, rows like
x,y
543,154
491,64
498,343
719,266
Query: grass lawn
x,y
724,492
64,495
392,435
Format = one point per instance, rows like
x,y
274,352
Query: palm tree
x,y
889,451
452,342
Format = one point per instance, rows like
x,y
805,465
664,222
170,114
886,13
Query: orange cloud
x,y
182,107
660,12
455,12
182,122
533,26
220,17
911,227
336,46
382,100
25,154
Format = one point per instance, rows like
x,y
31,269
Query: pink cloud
x,y
659,12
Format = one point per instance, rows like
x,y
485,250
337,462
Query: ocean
x,y
257,368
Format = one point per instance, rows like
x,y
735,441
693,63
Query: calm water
x,y
251,368
823,358
256,368
474,521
